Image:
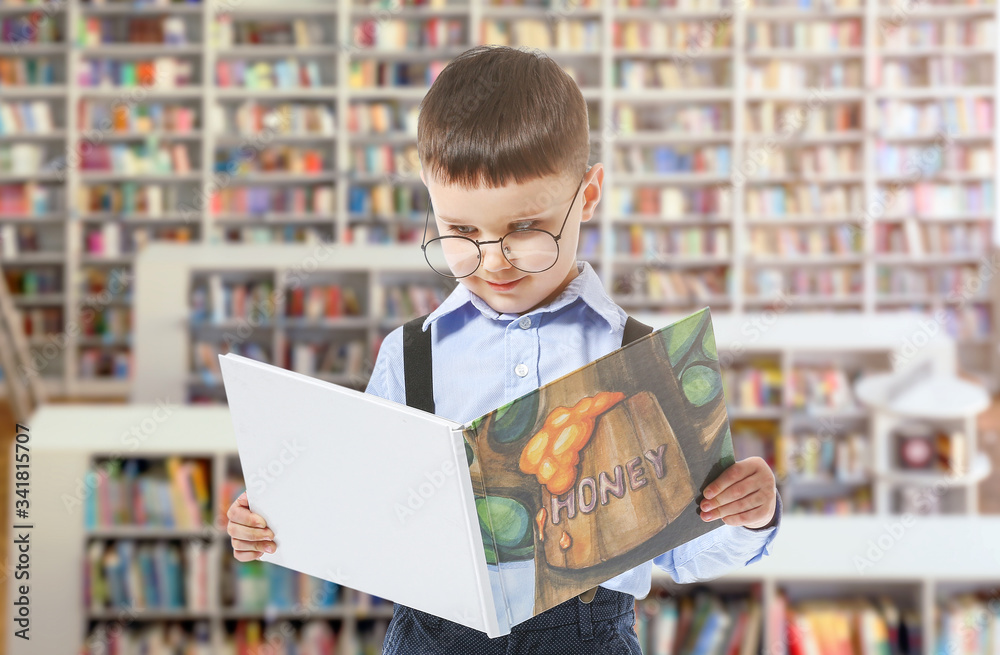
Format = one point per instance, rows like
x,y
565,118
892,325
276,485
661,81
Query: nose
x,y
493,259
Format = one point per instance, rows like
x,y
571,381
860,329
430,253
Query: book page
x,y
361,491
602,469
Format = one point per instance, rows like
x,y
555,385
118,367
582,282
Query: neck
x,y
573,272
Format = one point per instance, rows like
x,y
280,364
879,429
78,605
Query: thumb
x,y
242,500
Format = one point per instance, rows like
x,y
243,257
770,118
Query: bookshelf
x,y
925,564
755,156
789,378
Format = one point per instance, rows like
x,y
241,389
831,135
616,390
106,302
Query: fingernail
x,y
270,548
270,534
706,505
708,516
709,493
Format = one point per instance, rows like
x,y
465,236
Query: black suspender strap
x,y
417,369
417,365
634,330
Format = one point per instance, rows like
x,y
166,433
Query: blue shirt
x,y
484,359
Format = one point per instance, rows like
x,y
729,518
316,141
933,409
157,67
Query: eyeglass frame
x,y
424,243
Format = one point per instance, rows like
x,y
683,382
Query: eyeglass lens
x,y
531,251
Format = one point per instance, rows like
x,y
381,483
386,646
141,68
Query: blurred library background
x,y
820,173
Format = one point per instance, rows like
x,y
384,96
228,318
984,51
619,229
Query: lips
x,y
505,286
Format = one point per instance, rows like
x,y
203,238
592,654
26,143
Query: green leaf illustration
x,y
682,337
511,528
701,384
708,345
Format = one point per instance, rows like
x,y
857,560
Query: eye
x,y
464,230
525,225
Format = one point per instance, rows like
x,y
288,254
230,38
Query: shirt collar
x,y
586,286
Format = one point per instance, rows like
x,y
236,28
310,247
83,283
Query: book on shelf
x,y
276,201
140,118
804,457
753,388
811,35
329,358
639,36
408,300
704,624
20,30
319,301
251,117
310,636
165,72
668,202
27,71
267,74
110,637
371,73
261,586
639,240
671,286
573,35
640,74
968,621
393,34
517,485
96,31
694,119
382,118
229,30
175,495
863,625
26,117
160,575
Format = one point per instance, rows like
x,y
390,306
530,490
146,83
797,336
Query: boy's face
x,y
488,214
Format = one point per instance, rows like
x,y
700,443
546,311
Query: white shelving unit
x,y
944,402
597,69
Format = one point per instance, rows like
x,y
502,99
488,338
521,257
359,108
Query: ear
x,y
592,183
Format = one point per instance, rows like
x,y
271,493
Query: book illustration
x,y
598,471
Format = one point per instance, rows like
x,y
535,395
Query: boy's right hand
x,y
251,536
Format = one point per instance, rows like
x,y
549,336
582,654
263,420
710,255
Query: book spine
x,y
488,603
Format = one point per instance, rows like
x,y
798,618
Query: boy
x,y
504,142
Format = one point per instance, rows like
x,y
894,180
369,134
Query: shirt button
x,y
525,322
521,370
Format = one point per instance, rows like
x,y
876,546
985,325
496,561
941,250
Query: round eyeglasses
x,y
531,250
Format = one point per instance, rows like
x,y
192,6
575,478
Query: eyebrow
x,y
519,218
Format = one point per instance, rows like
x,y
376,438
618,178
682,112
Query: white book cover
x,y
491,522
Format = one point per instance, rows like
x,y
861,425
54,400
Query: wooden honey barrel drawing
x,y
629,469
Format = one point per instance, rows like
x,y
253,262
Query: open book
x,y
490,522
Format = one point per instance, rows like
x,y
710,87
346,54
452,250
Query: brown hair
x,y
498,115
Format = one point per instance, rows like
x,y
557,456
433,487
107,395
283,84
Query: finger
x,y
242,500
249,534
755,499
735,491
752,516
729,477
246,555
261,546
245,517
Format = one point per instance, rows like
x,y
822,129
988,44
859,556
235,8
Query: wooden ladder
x,y
24,387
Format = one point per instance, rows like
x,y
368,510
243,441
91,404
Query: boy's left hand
x,y
744,494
